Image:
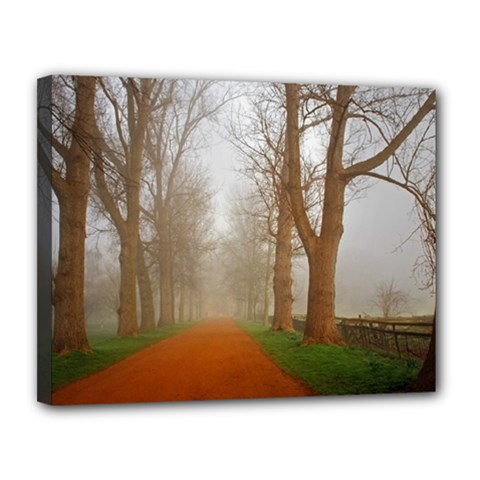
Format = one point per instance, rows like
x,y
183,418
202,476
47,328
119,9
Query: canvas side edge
x,y
44,242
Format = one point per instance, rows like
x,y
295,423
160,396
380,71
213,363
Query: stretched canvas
x,y
218,240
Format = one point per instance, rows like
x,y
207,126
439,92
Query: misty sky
x,y
376,224
371,250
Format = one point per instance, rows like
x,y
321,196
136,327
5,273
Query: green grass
x,y
106,350
333,370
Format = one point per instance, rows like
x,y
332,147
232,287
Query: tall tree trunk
x,y
320,326
200,306
167,304
282,285
127,324
266,296
145,288
127,311
69,333
321,250
181,303
320,323
190,306
282,276
167,297
250,306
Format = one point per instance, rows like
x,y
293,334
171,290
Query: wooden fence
x,y
406,338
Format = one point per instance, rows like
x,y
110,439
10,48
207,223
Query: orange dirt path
x,y
212,360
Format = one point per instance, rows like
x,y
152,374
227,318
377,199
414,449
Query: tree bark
x,y
320,326
320,323
321,250
129,236
167,310
147,323
266,296
167,296
282,273
250,312
282,284
127,311
200,306
181,303
190,306
69,333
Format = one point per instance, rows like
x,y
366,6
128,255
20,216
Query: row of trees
x,y
245,254
131,147
308,150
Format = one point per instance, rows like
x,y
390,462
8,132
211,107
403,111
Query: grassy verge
x,y
105,351
332,370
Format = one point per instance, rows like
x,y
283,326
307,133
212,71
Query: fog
x,y
379,243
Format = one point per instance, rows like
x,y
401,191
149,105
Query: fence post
x,y
396,341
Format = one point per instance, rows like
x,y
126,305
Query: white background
x,y
377,42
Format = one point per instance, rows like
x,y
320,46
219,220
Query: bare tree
x,y
172,140
376,123
191,231
267,286
102,281
259,136
390,299
118,173
245,254
73,115
426,210
147,321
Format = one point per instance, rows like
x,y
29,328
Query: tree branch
x,y
362,168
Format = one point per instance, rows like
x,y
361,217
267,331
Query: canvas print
x,y
220,240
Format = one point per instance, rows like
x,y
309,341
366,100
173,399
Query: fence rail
x,y
406,338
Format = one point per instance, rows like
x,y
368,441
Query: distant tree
x,y
172,141
73,115
390,299
267,286
145,290
191,232
101,287
245,256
